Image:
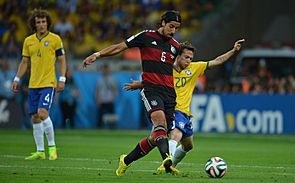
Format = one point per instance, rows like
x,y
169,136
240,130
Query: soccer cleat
x,y
162,170
167,164
122,166
52,153
39,155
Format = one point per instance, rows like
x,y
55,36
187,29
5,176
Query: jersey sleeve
x,y
59,47
25,51
136,40
200,67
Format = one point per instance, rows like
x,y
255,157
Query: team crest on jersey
x,y
154,102
46,43
173,50
188,72
181,124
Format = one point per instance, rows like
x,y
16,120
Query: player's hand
x,y
14,87
60,86
238,45
89,60
134,85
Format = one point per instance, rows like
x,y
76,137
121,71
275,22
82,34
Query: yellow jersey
x,y
184,84
42,54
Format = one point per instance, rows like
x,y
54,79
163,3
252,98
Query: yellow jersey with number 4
x,y
184,84
43,54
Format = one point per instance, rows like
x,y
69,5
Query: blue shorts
x,y
40,98
183,123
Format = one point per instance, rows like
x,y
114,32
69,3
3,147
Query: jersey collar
x,y
42,37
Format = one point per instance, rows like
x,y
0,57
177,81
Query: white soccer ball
x,y
215,167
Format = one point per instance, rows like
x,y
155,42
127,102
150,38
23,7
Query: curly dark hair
x,y
40,14
186,45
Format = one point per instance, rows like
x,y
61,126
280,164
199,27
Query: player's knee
x,y
176,134
36,118
151,139
158,118
159,132
42,113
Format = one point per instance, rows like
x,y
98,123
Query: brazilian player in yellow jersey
x,y
41,50
186,74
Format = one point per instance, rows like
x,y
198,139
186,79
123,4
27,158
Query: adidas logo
x,y
154,43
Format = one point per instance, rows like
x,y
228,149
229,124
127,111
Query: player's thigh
x,y
46,98
169,108
33,101
154,105
182,123
151,100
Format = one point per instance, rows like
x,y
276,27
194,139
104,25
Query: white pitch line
x,y
87,159
153,162
72,168
113,170
54,167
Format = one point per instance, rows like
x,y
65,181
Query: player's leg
x,y
175,136
49,132
181,131
182,150
38,131
160,132
46,98
176,130
142,148
154,105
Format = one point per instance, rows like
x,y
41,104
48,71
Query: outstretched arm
x,y
134,85
222,58
109,51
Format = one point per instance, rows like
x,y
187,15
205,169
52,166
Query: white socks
x,y
172,146
38,133
48,129
179,154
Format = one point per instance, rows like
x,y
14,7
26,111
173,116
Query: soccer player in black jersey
x,y
158,51
186,74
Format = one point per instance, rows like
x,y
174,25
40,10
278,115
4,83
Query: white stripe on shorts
x,y
145,100
51,98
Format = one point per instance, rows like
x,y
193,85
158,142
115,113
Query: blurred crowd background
x,y
91,25
211,25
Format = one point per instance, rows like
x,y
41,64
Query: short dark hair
x,y
40,14
171,15
186,45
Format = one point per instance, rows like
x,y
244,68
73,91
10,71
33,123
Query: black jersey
x,y
158,54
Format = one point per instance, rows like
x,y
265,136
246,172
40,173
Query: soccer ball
x,y
215,167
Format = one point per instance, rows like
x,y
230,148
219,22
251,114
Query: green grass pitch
x,y
92,155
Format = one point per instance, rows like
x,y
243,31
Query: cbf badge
x,y
188,72
46,43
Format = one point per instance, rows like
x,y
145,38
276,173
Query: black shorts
x,y
157,99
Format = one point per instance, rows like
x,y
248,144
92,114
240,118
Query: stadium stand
x,y
211,25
